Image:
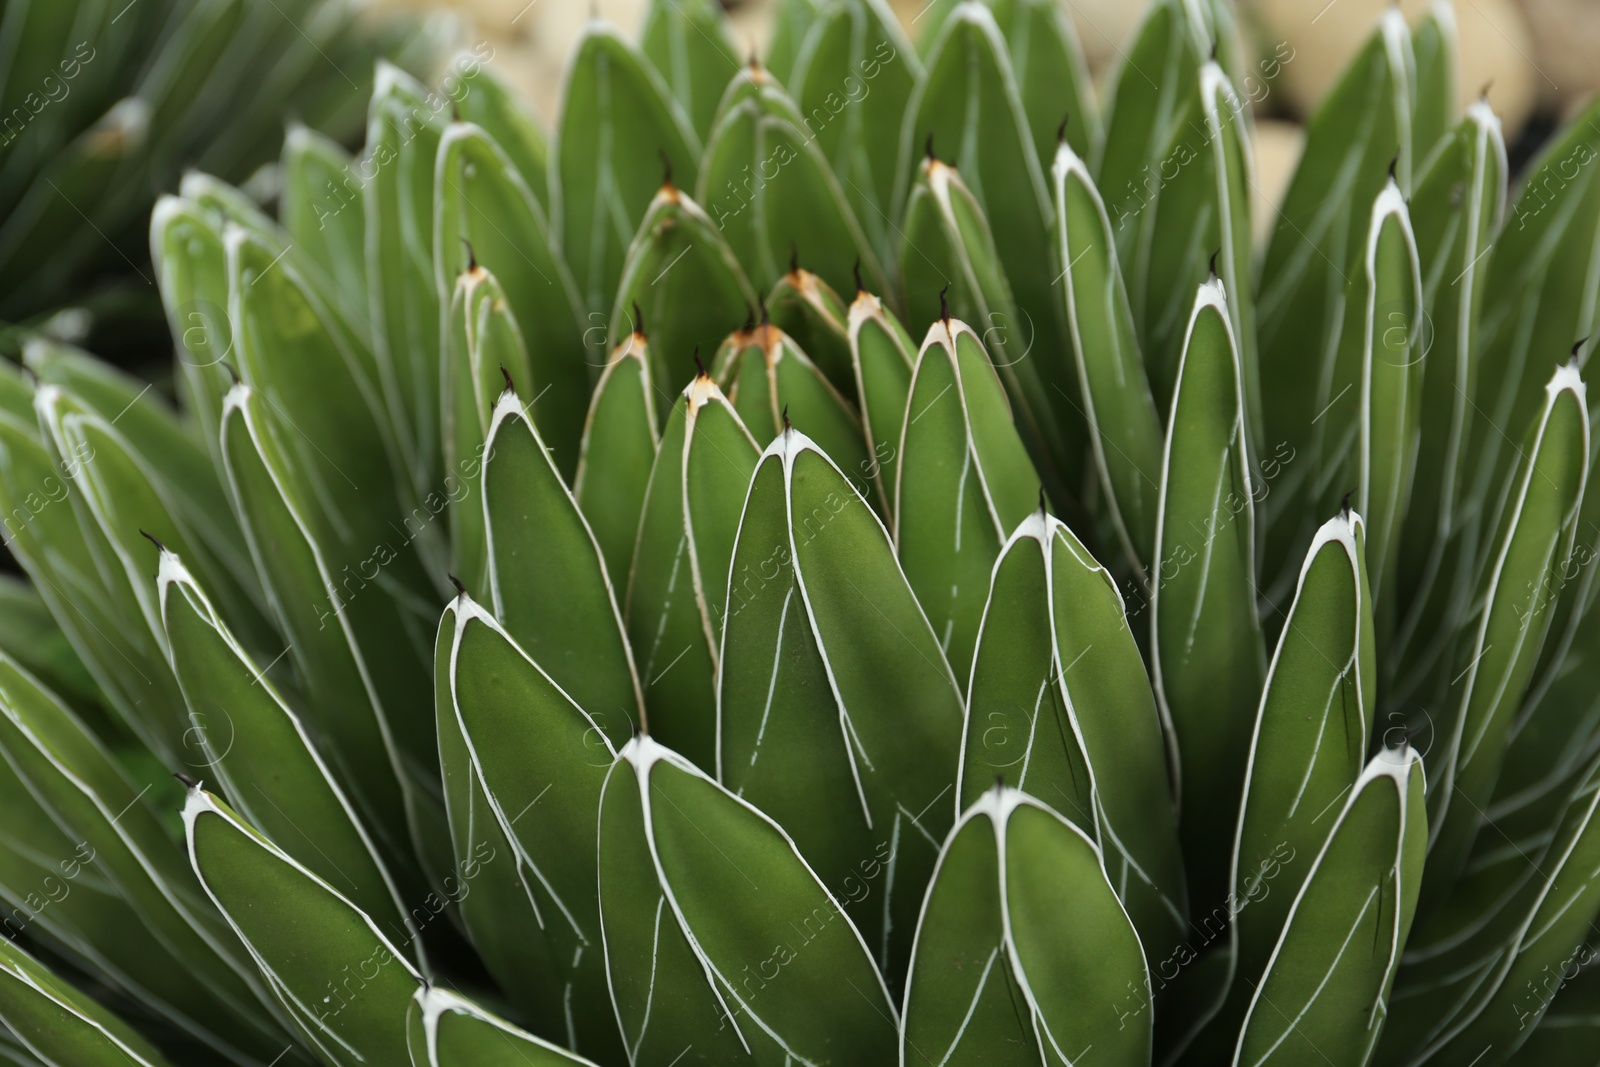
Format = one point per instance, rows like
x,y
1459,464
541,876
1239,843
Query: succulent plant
x,y
103,103
585,636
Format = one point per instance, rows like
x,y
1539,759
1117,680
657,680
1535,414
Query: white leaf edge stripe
x,y
869,16
509,408
1209,296
701,392
1391,204
181,906
634,261
998,805
466,610
642,754
1217,93
237,405
943,183
1394,766
776,347
941,342
18,971
633,348
1068,164
172,572
785,448
433,1003
1047,530
1565,380
199,802
1341,531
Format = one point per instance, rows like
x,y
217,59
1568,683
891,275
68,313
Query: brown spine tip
x,y
232,373
749,317
1214,256
1394,163
699,366
638,320
472,258
666,170
1061,130
1578,348
1344,505
152,539
999,782
928,147
761,304
511,386
786,426
1041,501
461,590
856,272
794,257
1483,94
186,780
944,305
1213,55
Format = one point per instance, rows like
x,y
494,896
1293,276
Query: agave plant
x,y
1089,641
102,103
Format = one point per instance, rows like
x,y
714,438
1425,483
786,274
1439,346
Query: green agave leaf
x,y
1362,125
688,945
445,1030
790,24
678,594
191,265
1565,1035
264,757
403,133
1487,991
494,106
948,242
1196,223
1537,536
78,787
1124,429
968,103
1052,76
618,123
1435,48
31,636
882,356
322,209
1205,638
1060,705
1325,989
1307,753
548,579
1371,396
854,74
772,384
620,439
811,312
1456,214
877,796
774,195
540,760
1019,932
96,610
487,214
343,982
690,44
378,733
681,286
962,485
61,1026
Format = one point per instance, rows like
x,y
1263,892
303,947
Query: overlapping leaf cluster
x,y
1173,651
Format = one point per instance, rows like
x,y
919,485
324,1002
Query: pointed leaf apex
x,y
928,149
699,367
461,590
638,320
944,306
856,272
794,257
511,386
153,540
1061,130
666,172
188,782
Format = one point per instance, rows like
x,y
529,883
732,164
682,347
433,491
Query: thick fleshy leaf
x,y
1205,642
689,43
446,1030
493,105
838,713
853,78
701,893
548,579
963,483
485,213
61,1025
1325,988
618,123
679,592
1499,655
302,934
1436,49
191,266
261,754
687,286
791,22
1124,429
1052,76
882,355
1361,126
619,448
31,636
540,761
1371,399
811,312
1020,931
1060,706
322,209
774,195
